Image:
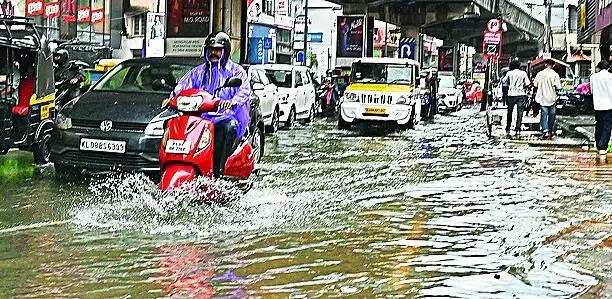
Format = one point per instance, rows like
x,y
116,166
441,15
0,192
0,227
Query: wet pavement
x,y
440,211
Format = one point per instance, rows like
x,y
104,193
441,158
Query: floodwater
x,y
440,211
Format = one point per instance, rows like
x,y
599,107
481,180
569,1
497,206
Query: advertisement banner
x,y
34,8
187,25
350,36
253,10
52,10
282,7
155,33
446,59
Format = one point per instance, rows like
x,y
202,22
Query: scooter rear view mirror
x,y
233,82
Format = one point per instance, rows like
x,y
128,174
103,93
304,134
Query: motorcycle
x,y
328,98
72,86
573,104
187,147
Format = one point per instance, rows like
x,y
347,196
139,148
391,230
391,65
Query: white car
x,y
268,95
296,92
450,97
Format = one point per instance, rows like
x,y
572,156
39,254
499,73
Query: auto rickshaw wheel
x,y
41,149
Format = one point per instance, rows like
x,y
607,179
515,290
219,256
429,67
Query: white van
x,y
296,92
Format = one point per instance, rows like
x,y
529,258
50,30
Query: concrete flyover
x,y
455,21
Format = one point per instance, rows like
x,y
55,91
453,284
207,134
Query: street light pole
x,y
305,31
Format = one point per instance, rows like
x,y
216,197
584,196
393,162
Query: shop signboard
x,y
84,15
350,36
187,25
34,8
52,10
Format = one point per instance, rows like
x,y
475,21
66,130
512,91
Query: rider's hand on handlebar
x,y
225,105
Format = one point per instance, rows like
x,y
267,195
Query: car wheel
x,y
342,125
291,118
311,114
258,143
65,172
275,123
41,149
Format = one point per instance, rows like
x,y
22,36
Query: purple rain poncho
x,y
209,76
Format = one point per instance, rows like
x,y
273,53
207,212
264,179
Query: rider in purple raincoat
x,y
231,126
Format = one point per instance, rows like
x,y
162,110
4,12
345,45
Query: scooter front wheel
x,y
174,176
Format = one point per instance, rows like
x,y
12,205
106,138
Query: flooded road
x,y
440,211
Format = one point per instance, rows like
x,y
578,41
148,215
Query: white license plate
x,y
107,146
178,146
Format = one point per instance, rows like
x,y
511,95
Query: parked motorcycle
x,y
187,147
328,98
573,104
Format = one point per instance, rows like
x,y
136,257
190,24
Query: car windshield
x,y
280,78
447,82
383,73
143,77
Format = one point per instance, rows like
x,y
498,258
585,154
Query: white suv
x,y
297,92
268,97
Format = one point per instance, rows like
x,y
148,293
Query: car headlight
x,y
63,122
441,96
189,104
350,97
204,140
402,100
155,128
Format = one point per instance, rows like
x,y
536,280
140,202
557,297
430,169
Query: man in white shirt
x,y
547,82
601,86
517,82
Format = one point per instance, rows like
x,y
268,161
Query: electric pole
x,y
305,32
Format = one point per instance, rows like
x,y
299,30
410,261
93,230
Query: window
x,y
298,79
573,18
306,78
138,25
268,7
280,78
382,74
142,78
255,78
263,78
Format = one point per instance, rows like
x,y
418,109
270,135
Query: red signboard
x,y
84,15
492,41
97,16
34,8
52,10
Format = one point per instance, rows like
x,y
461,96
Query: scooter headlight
x,y
155,128
63,122
189,103
204,140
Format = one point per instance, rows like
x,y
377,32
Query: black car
x,y
118,124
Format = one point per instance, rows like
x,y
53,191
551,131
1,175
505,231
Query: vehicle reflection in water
x,y
186,271
439,211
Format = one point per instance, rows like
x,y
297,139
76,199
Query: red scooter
x,y
187,147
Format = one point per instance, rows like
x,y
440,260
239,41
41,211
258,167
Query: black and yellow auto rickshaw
x,y
27,88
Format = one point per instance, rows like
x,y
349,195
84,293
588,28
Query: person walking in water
x,y
547,82
601,87
517,82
